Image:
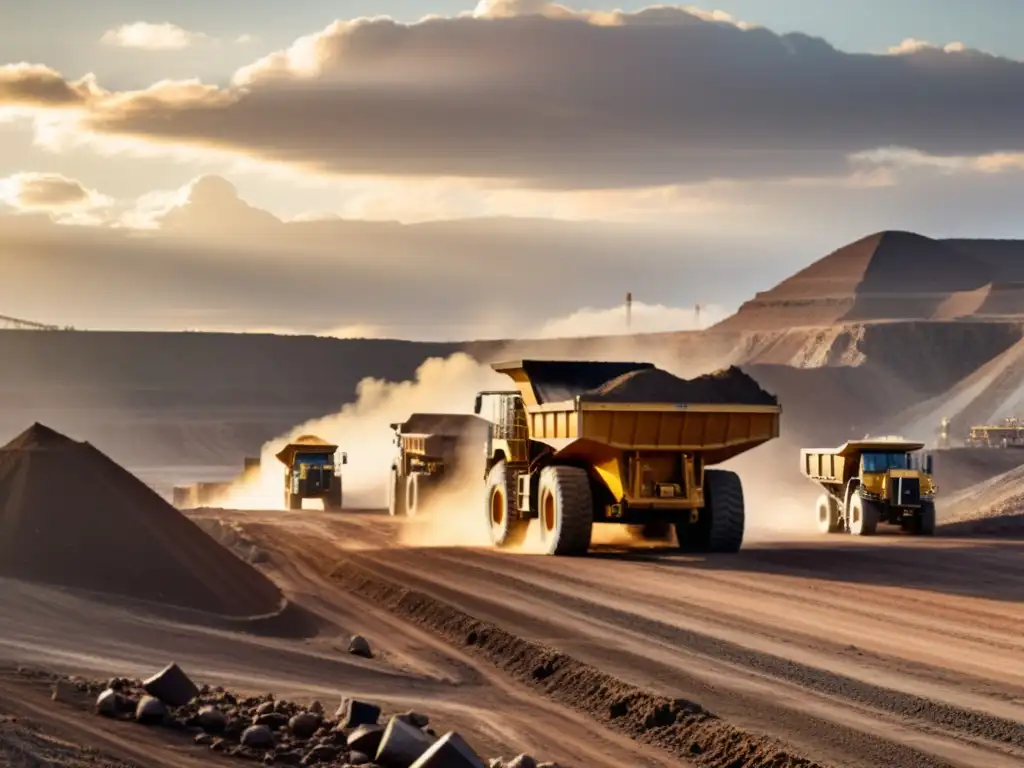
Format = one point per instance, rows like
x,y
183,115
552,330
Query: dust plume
x,y
362,429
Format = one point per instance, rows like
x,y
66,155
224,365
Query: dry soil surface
x,y
892,651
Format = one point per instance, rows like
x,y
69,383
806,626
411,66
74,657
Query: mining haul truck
x,y
867,482
429,446
313,471
579,443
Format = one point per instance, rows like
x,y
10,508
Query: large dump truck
x,y
312,471
872,481
429,446
578,443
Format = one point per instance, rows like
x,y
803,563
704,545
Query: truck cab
x,y
312,471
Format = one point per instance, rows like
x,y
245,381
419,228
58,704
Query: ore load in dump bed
x,y
584,442
72,517
429,447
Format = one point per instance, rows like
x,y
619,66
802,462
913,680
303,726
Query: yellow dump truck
x,y
583,442
312,471
428,453
872,481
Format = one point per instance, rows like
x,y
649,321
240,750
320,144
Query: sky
x,y
467,170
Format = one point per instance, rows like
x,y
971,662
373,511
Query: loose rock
x,y
275,721
450,751
354,712
212,720
402,744
304,725
172,686
150,711
522,761
359,646
258,737
110,703
366,739
323,753
415,719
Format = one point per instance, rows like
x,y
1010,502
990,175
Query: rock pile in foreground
x,y
279,732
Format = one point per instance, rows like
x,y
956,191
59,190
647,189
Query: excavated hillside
x,y
894,276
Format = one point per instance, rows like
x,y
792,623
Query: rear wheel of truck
x,y
414,494
828,514
923,523
566,508
864,516
506,529
396,495
727,508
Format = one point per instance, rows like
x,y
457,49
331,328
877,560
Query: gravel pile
x,y
72,517
276,731
653,385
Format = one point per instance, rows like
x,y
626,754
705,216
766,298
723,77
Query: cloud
x,y
540,95
152,37
912,45
48,192
434,281
644,318
35,85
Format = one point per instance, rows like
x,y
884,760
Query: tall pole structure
x,y
629,311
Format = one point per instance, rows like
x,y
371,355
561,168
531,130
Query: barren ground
x,y
893,651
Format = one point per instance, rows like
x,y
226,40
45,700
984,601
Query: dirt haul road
x,y
880,653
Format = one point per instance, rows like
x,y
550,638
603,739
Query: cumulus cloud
x,y
48,192
538,94
644,318
152,37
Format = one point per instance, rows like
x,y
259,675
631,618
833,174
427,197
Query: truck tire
x,y
396,495
566,508
864,516
414,494
923,523
828,514
332,501
506,529
724,499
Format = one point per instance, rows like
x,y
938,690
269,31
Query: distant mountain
x,y
892,276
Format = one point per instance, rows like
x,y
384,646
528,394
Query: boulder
x,y
366,739
275,721
359,646
150,711
258,737
110,703
211,719
402,744
172,686
354,712
304,724
450,751
265,708
323,753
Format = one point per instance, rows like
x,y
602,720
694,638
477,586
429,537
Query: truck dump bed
x,y
304,444
835,466
597,409
436,435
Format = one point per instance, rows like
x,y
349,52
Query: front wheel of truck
x,y
923,522
566,510
864,516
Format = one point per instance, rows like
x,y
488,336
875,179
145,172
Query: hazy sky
x,y
167,165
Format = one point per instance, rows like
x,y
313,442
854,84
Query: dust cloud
x,y
454,513
362,429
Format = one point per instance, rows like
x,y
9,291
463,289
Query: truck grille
x,y
905,491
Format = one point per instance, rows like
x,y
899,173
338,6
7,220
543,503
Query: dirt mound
x,y
993,507
653,385
70,516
